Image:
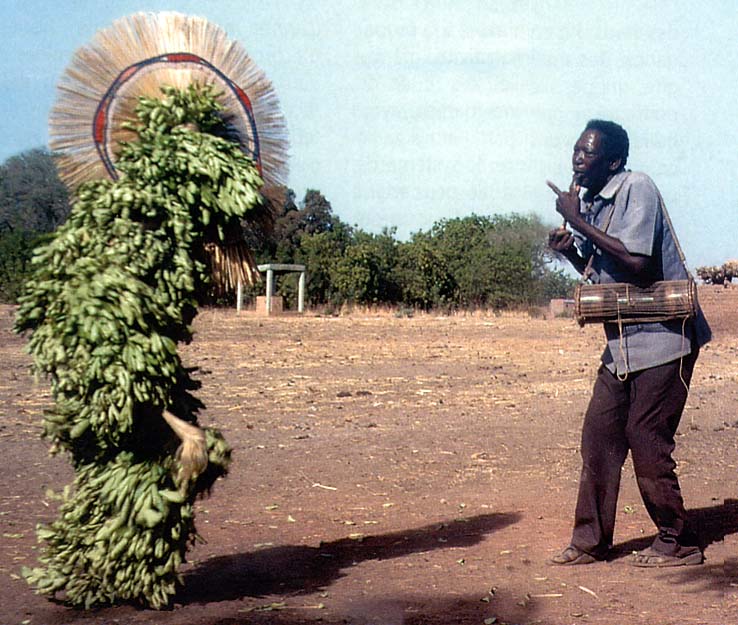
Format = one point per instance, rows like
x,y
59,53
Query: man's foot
x,y
572,555
682,556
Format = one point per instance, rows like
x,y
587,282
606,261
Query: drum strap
x,y
667,219
587,273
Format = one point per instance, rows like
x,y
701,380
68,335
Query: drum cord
x,y
588,271
681,358
624,376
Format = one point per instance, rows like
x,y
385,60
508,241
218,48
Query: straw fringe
x,y
230,264
132,39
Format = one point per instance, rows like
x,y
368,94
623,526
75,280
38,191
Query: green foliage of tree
x,y
423,274
719,274
293,222
32,198
554,284
320,253
497,261
16,251
32,201
304,233
494,261
365,272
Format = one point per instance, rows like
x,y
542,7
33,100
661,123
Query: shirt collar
x,y
613,186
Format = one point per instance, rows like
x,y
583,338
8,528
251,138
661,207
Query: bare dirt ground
x,y
393,471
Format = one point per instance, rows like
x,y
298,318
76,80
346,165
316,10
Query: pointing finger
x,y
553,187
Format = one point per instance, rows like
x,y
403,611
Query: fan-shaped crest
x,y
137,55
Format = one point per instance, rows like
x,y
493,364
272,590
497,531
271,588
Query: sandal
x,y
572,555
651,558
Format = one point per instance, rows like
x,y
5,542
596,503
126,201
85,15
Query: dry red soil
x,y
392,470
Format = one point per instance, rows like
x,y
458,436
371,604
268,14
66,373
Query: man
x,y
620,235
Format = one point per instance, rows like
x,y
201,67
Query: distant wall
x,y
277,305
720,305
560,308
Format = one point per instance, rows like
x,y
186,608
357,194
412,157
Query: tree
x,y
519,242
554,284
313,216
464,244
32,201
321,253
316,214
16,250
494,261
309,234
356,275
32,197
499,261
423,274
365,273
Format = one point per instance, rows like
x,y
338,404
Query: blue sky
x,y
406,112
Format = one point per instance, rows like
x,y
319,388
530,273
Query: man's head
x,y
614,139
600,152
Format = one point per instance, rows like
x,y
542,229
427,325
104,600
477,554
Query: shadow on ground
x,y
407,611
712,525
304,569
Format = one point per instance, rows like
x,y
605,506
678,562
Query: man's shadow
x,y
711,525
300,568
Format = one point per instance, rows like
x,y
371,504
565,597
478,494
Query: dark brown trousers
x,y
640,414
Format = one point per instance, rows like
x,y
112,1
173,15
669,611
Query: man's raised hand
x,y
567,202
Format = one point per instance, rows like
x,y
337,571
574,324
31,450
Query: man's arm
x,y
567,205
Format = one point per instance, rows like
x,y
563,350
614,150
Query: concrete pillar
x,y
269,290
272,301
301,293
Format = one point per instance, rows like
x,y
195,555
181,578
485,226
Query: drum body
x,y
620,302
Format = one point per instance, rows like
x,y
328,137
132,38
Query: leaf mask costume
x,y
168,136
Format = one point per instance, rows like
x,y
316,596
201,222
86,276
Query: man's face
x,y
591,167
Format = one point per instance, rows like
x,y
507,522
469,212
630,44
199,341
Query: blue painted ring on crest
x,y
102,114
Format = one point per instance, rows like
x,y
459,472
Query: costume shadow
x,y
302,569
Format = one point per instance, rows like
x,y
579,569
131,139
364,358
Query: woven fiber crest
x,y
136,56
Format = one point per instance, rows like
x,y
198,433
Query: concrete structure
x,y
271,304
561,308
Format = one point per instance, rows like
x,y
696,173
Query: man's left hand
x,y
560,240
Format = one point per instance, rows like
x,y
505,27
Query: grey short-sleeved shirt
x,y
631,202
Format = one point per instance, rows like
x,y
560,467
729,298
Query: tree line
x,y
478,261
